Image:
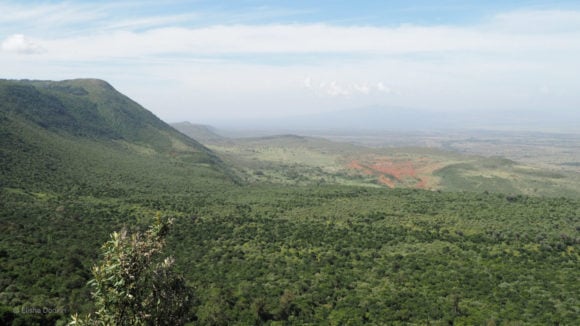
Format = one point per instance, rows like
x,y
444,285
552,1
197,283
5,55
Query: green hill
x,y
84,132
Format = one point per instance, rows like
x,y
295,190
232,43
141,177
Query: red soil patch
x,y
399,170
392,172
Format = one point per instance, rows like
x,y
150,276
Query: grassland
x,y
290,159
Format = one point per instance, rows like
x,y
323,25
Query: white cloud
x,y
308,39
150,22
103,36
345,89
537,21
74,18
18,43
499,62
307,83
333,89
382,88
362,88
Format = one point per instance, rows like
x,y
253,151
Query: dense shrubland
x,y
293,253
313,254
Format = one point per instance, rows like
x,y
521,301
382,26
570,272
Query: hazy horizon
x,y
215,62
396,119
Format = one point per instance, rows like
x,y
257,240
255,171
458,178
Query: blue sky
x,y
209,61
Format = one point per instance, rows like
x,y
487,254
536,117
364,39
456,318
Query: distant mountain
x,y
382,118
361,119
199,132
83,132
524,120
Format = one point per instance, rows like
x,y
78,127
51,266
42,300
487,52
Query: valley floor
x,y
313,254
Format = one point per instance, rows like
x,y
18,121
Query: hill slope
x,y
59,134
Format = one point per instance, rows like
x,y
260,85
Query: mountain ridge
x,y
82,106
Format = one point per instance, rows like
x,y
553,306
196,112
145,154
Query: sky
x,y
211,61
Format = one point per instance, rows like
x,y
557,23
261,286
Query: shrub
x,y
132,285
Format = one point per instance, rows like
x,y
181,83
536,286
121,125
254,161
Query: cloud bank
x,y
336,89
184,68
19,44
318,39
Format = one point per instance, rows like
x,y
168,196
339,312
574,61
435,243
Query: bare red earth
x,y
391,172
399,170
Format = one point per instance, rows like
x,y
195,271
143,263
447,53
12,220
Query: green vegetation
x,y
266,252
132,286
495,175
52,139
297,160
310,254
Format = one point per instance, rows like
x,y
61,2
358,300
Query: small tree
x,y
133,286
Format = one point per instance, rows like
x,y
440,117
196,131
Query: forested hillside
x,y
78,161
61,135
